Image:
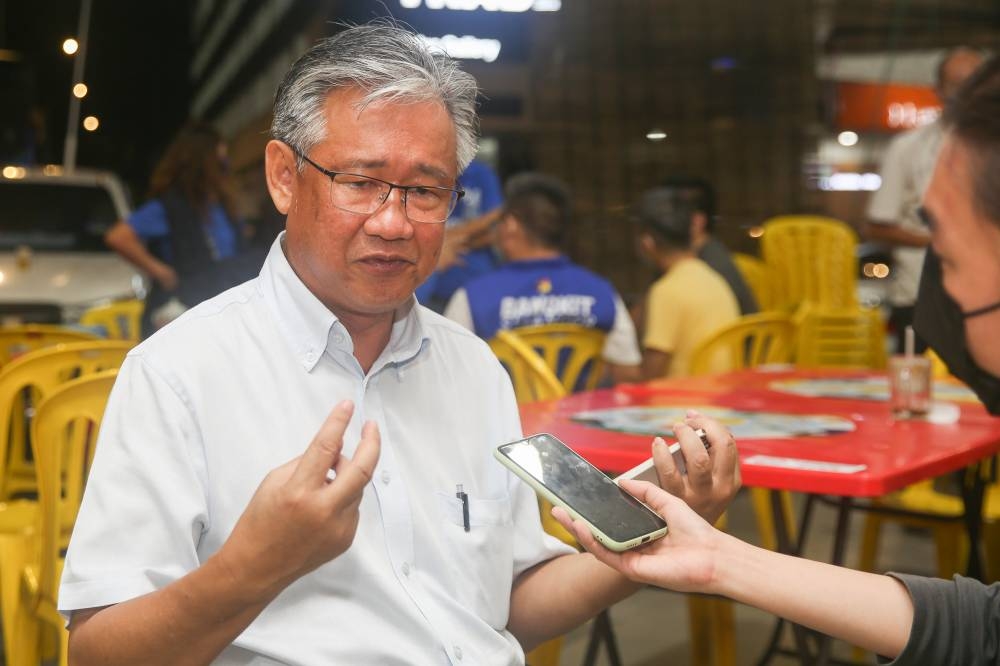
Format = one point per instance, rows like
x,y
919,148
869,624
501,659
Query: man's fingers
x,y
353,474
324,451
724,449
667,474
697,459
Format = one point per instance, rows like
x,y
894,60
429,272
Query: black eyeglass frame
x,y
405,189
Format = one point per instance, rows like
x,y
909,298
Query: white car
x,y
54,264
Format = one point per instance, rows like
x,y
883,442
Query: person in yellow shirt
x,y
690,301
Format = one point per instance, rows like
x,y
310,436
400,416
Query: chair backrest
x,y
122,319
840,337
532,378
810,259
64,433
758,278
27,381
573,352
753,340
17,340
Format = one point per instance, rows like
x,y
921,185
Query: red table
x,y
895,453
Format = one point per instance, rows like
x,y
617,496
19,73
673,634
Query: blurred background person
x,y
538,284
706,246
188,226
691,300
893,209
467,252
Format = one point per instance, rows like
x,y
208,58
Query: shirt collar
x,y
310,328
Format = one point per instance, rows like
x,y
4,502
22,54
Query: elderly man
x,y
211,531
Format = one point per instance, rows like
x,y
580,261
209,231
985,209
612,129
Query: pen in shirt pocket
x,y
460,494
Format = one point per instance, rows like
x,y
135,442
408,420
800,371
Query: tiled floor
x,y
652,626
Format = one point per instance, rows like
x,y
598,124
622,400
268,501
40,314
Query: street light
x,y
70,46
91,123
80,90
83,29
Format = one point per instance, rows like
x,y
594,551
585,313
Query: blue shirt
x,y
149,222
483,193
542,291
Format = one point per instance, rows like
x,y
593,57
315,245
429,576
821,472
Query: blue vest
x,y
543,291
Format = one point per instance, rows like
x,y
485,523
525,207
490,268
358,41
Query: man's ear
x,y
281,173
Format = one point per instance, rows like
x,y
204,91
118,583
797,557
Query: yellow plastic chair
x,y
573,352
532,378
64,434
752,340
810,259
757,276
27,381
828,337
18,340
122,319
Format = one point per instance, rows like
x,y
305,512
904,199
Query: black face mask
x,y
941,323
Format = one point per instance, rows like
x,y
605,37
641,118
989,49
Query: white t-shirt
x,y
239,385
906,171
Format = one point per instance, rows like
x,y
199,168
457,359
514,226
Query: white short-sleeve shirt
x,y
906,171
239,385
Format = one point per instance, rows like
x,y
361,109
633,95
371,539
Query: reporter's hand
x,y
713,475
298,519
683,560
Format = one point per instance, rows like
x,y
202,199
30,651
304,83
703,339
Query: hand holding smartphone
x,y
616,519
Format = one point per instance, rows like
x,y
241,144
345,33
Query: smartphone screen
x,y
590,492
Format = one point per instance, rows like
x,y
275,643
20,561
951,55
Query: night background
x,y
136,71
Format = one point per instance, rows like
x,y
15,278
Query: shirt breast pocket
x,y
481,560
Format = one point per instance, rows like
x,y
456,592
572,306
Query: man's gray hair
x,y
387,63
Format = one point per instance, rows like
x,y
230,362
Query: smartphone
x,y
617,519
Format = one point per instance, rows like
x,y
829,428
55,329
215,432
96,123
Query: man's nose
x,y
389,221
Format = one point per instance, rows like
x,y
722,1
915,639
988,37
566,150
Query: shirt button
x,y
406,568
386,476
337,337
310,357
458,653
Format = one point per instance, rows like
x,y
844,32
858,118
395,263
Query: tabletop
x,y
814,431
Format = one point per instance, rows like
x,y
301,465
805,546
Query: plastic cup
x,y
909,385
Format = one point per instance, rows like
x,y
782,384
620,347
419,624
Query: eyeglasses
x,y
363,195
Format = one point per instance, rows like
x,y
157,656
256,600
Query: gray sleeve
x,y
955,622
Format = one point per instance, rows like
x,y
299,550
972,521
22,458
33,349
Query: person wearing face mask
x,y
908,619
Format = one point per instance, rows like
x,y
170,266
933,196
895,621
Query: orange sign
x,y
890,107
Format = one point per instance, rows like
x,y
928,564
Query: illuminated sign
x,y
885,107
466,47
486,5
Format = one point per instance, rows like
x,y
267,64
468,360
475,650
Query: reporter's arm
x,y
872,611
